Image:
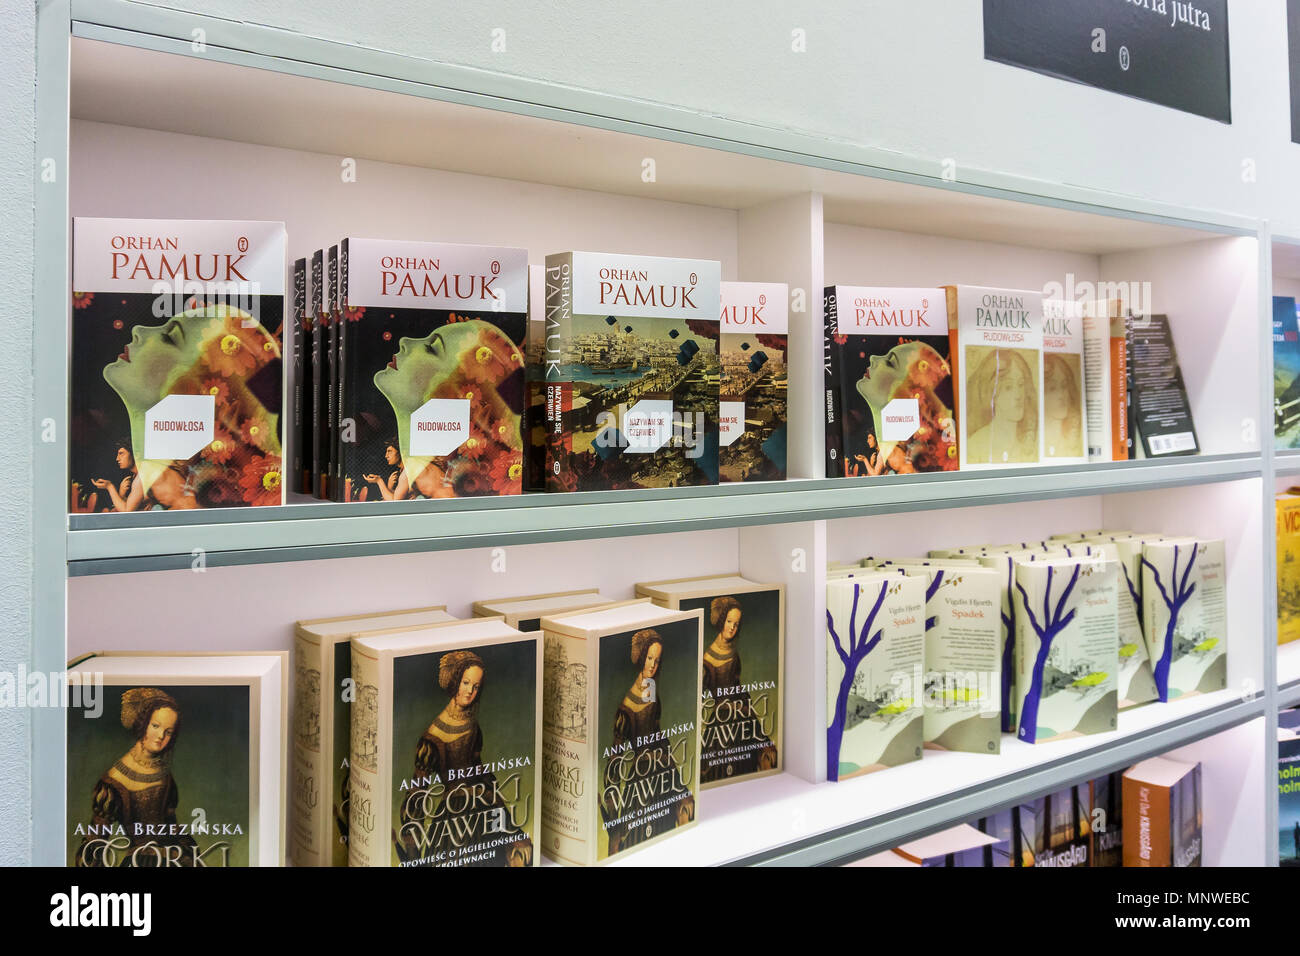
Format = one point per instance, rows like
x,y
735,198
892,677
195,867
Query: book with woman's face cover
x,y
744,658
176,371
752,393
1065,413
525,613
432,383
322,727
176,760
1185,615
621,744
999,369
446,741
890,351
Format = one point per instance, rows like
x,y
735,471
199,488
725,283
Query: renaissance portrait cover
x,y
176,370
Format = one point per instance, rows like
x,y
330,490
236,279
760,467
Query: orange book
x,y
1162,813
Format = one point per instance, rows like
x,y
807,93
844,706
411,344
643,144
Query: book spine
x,y
368,832
1131,443
320,377
310,803
833,400
1098,386
332,436
347,394
954,371
559,393
1146,824
569,797
294,325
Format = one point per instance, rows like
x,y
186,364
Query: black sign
x,y
1293,48
1171,52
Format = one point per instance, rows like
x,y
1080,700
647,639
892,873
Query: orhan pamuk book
x,y
1065,413
630,371
832,408
1066,656
890,352
176,371
1105,381
319,376
621,748
534,425
433,386
322,728
755,325
142,794
1162,813
963,668
1288,566
299,324
1160,412
446,738
1000,375
1185,615
875,653
1286,373
740,704
526,613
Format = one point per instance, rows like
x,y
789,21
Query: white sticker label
x,y
902,418
731,422
439,426
179,427
648,425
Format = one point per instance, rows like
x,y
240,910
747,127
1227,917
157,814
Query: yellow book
x,y
1288,566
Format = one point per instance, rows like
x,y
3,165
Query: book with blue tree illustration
x,y
875,629
1067,660
1185,617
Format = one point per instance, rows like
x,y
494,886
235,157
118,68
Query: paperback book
x,y
1288,790
755,323
176,371
875,655
740,706
1105,377
1065,413
446,744
332,334
1107,816
621,741
526,613
1162,416
1286,373
299,323
631,372
1162,813
319,376
1185,616
1288,566
962,845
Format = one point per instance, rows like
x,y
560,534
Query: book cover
x,y
1000,390
526,613
176,370
1065,414
1030,823
963,696
1162,415
299,324
1288,795
322,728
631,372
1004,562
1288,566
744,658
875,628
1066,654
138,795
1185,617
831,402
1162,813
755,325
534,425
434,370
331,452
1107,816
319,376
446,743
1137,683
1068,836
1105,378
1286,373
621,740
891,349
959,846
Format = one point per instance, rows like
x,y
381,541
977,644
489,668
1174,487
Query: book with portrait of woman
x,y
446,737
1065,418
177,761
752,393
622,730
433,370
741,672
1000,375
176,370
526,612
896,405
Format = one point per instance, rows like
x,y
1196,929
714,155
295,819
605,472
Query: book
x,y
631,371
963,696
1004,562
322,728
534,425
741,673
1105,381
446,744
1286,373
962,845
526,613
1065,413
1136,680
299,322
890,349
1287,507
1067,661
1288,789
999,375
752,407
433,383
1107,818
832,404
1185,616
331,453
1067,837
1000,826
1162,416
1162,813
621,738
140,795
875,629
319,376
177,380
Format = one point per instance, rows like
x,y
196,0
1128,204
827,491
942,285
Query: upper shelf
x,y
112,543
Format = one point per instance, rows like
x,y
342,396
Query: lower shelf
x,y
784,820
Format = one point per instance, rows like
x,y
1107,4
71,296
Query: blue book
x,y
1286,373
